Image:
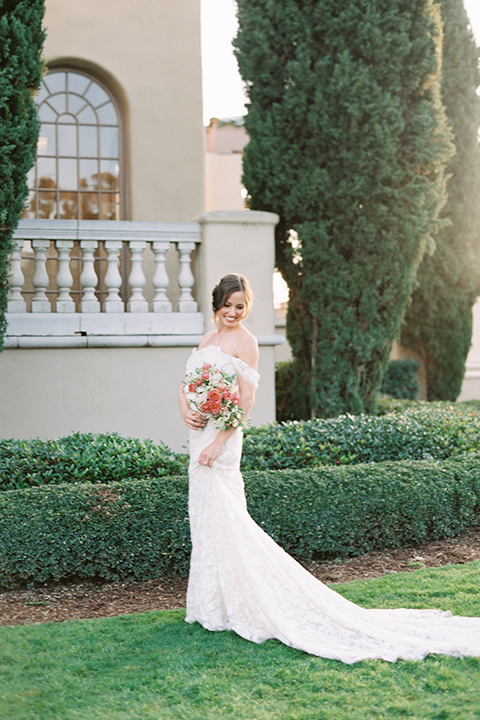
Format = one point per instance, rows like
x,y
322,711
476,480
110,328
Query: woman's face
x,y
233,311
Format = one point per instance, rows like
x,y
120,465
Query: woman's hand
x,y
210,453
194,420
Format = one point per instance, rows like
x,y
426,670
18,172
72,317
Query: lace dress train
x,y
241,580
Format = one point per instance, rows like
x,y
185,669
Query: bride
x,y
240,579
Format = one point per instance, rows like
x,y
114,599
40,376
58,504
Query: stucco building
x,y
116,254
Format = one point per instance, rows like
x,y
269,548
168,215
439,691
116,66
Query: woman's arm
x,y
192,419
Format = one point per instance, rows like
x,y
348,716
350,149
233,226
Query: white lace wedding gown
x,y
241,580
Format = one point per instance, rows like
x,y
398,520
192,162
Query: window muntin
x,y
77,173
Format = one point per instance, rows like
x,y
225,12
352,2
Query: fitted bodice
x,y
214,355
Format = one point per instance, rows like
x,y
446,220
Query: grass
x,y
153,666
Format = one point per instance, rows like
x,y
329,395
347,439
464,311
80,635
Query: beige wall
x,y
224,187
51,393
149,53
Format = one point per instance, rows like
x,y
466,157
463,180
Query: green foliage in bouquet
x,y
348,143
438,323
21,42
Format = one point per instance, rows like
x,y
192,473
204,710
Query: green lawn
x,y
153,666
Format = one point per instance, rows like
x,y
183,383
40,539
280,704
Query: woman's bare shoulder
x,y
207,339
247,348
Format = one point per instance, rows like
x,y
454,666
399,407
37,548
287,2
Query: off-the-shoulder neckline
x,y
233,357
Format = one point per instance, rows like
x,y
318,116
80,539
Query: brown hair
x,y
228,285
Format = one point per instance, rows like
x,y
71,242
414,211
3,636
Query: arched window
x,y
77,172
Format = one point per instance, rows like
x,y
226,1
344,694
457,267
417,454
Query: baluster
x,y
186,279
160,280
64,303
40,302
113,279
16,303
88,278
137,278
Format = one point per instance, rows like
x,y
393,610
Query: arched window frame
x,y
84,194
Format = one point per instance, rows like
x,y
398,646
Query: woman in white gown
x,y
240,579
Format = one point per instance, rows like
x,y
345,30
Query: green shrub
x,y
423,432
285,406
129,529
83,458
328,512
400,379
135,529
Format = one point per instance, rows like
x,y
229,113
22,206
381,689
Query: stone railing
x,y
84,282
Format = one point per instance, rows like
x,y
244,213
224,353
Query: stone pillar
x,y
243,241
238,241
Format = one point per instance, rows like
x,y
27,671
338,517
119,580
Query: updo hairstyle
x,y
228,285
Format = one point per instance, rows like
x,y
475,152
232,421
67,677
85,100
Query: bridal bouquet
x,y
213,394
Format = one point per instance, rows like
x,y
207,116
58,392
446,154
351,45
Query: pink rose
x,y
214,396
192,387
205,375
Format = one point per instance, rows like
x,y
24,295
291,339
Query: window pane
x,y
67,174
87,116
67,119
46,205
31,178
46,173
42,94
88,174
58,103
109,206
67,140
68,207
108,142
46,141
77,83
88,141
96,95
75,103
56,82
107,114
46,114
89,206
30,210
109,170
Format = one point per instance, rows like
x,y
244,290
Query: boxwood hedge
x,y
420,432
139,529
83,457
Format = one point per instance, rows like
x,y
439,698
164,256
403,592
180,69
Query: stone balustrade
x,y
103,280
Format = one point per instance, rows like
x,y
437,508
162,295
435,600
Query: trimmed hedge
x,y
84,457
134,529
421,432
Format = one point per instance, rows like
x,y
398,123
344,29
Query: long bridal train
x,y
241,580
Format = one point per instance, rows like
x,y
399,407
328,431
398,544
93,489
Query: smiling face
x,y
233,311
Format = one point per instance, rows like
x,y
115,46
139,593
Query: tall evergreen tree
x,y
21,42
348,144
438,323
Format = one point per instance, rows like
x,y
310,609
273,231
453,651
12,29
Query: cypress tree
x,y
348,144
21,41
438,323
